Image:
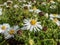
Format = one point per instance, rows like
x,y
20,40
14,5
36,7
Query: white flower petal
x,y
34,29
58,23
31,28
28,27
7,25
39,26
16,27
1,31
37,11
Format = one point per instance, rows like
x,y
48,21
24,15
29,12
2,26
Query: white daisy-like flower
x,y
32,24
4,27
6,3
28,5
0,11
55,15
35,10
10,32
55,20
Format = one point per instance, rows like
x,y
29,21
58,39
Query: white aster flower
x,y
4,27
55,20
35,10
6,3
28,5
10,32
31,24
55,15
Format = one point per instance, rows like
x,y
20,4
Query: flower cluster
x,y
29,22
8,31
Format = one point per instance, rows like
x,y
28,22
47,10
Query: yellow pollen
x,y
33,22
34,8
11,32
3,27
55,20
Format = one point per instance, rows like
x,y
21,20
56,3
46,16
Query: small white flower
x,y
55,20
6,3
31,24
10,32
55,15
4,27
28,5
35,10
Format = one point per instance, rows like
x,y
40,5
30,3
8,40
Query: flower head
x,y
55,15
10,32
35,10
31,24
4,27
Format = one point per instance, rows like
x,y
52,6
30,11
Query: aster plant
x,y
30,22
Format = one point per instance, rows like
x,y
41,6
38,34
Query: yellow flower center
x,y
11,32
34,8
33,22
55,20
54,14
31,42
3,27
